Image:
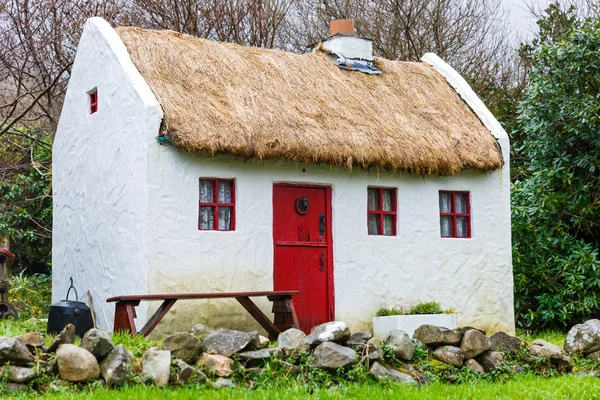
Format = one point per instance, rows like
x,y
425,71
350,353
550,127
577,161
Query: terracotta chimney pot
x,y
341,26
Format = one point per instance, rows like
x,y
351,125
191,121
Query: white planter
x,y
382,326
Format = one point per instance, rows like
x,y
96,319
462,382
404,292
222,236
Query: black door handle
x,y
322,266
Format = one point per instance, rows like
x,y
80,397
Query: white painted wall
x,y
474,276
99,174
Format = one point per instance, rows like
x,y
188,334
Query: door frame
x,y
328,228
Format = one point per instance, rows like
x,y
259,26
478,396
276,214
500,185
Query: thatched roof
x,y
256,103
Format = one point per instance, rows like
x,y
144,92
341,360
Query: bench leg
x,y
285,314
124,316
157,316
260,317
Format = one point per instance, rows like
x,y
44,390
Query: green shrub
x,y
423,307
556,205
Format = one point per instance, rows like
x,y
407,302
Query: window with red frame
x,y
455,214
217,205
381,211
93,102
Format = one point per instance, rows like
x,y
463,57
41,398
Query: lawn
x,y
526,387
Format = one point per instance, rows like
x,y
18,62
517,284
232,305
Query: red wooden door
x,y
303,250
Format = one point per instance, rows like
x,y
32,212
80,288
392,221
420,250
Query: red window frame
x,y
455,214
94,102
380,210
216,204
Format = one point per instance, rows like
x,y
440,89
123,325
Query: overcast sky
x,y
521,22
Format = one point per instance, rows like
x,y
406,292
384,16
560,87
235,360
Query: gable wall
x,y
99,175
474,276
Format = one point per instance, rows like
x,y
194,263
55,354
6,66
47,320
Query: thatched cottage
x,y
185,165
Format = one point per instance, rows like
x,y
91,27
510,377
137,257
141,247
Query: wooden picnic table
x,y
283,308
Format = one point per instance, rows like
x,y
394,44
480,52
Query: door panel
x,y
301,233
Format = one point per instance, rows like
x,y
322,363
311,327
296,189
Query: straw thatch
x,y
267,104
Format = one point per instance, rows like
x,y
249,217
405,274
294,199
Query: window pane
x,y
388,225
461,226
373,199
224,218
207,217
373,224
446,226
445,206
388,200
225,191
461,203
206,191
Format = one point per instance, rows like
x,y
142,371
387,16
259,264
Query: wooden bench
x,y
283,308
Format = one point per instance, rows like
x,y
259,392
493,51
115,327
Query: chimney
x,y
344,43
341,26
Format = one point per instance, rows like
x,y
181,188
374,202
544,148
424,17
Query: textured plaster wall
x,y
99,172
474,276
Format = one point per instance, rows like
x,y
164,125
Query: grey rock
x,y
335,331
97,342
434,336
518,369
463,329
400,342
225,342
222,383
183,346
186,372
293,343
117,366
263,343
491,360
595,356
329,355
14,351
292,369
359,339
76,364
201,331
66,336
258,357
18,374
33,340
474,366
474,343
216,363
382,373
254,341
156,366
16,387
372,350
451,355
593,374
583,338
558,357
501,341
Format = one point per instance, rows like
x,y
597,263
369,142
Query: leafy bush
x,y
26,202
31,295
556,207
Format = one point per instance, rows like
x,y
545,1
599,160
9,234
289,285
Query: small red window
x,y
381,211
93,102
217,205
455,214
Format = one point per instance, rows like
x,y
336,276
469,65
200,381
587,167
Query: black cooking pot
x,y
70,312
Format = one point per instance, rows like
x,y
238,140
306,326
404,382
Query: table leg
x,y
157,316
260,317
285,314
124,316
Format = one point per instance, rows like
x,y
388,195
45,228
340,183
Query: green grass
x,y
525,387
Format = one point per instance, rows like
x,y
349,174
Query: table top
x,y
191,296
